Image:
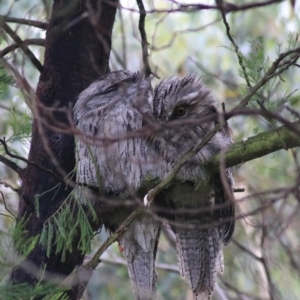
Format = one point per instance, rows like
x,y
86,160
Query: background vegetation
x,y
263,260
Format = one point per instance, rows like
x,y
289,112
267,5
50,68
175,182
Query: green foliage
x,y
5,80
171,55
257,64
23,243
69,222
21,126
47,290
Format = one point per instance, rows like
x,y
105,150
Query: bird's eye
x,y
180,111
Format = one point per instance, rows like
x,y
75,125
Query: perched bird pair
x,y
127,139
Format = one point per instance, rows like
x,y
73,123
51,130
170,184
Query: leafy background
x,y
181,43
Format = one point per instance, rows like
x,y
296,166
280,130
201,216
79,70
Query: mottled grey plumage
x,y
116,106
199,250
106,112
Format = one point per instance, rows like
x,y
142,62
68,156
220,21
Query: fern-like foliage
x,y
23,243
21,125
45,290
69,222
257,63
5,79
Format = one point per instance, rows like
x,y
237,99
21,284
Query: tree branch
x,y
37,24
235,46
23,46
17,169
158,266
17,190
85,272
227,7
12,47
10,164
147,69
258,146
11,215
278,66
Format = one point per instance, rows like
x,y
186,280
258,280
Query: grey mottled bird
x,y
107,112
203,211
112,157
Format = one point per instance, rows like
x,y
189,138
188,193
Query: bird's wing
x,y
140,245
224,200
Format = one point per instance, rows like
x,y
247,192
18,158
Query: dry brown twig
x,y
190,8
23,46
34,23
147,69
27,42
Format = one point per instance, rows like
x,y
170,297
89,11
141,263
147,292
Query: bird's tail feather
x,y
140,246
200,258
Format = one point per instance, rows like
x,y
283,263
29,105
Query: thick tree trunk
x,y
78,44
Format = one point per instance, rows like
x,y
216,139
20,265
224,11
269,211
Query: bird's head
x,y
182,98
188,102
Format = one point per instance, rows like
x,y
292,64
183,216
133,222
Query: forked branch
x,y
23,46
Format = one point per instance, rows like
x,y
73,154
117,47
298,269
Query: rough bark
x,y
77,53
258,146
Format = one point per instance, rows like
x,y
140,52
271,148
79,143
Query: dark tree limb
x,y
235,46
17,190
147,69
11,215
12,47
227,7
3,142
10,164
258,146
37,24
23,46
75,56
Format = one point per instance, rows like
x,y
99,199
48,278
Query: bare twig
x,y
246,250
293,262
34,23
11,109
12,47
9,186
3,142
179,163
228,7
147,69
10,164
159,266
229,83
11,215
278,66
239,292
94,261
235,46
271,286
124,46
7,216
85,272
239,190
23,46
